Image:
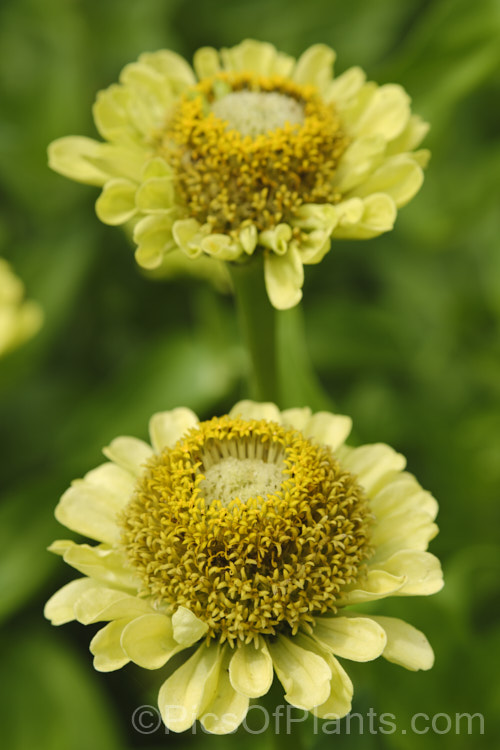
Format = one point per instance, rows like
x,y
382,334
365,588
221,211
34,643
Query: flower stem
x,y
258,326
299,383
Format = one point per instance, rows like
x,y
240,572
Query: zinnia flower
x,y
242,543
19,319
255,152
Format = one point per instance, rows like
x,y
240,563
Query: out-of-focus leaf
x,y
49,698
26,529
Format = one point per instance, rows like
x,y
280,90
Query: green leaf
x,y
51,700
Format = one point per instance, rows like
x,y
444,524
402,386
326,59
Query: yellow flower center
x,y
249,525
249,149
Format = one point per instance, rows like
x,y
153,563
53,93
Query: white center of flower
x,y
254,113
241,478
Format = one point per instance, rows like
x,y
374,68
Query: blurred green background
x,y
403,330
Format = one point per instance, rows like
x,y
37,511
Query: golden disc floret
x,y
249,149
249,525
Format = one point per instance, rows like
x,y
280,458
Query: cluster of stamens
x,y
249,525
230,179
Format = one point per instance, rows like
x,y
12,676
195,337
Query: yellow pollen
x,y
249,525
249,149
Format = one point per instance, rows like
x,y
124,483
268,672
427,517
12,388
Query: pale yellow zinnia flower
x,y
19,319
250,152
243,542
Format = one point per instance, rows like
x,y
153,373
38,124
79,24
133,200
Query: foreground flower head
x,y
19,319
242,543
252,152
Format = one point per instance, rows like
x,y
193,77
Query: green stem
x,y
299,383
258,326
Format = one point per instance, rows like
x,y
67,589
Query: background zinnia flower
x,y
19,319
249,536
252,151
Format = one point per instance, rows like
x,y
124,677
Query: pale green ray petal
x,y
130,453
315,66
355,638
328,429
407,530
297,418
415,534
339,702
187,627
151,98
253,410
156,167
174,67
188,235
80,159
251,669
277,239
167,427
60,608
284,277
105,645
148,641
89,510
358,161
377,584
373,465
206,62
145,109
148,82
404,514
108,604
90,506
420,157
154,239
114,479
399,177
156,195
101,563
250,56
60,546
350,212
421,569
403,494
351,109
411,137
283,65
322,216
377,214
111,116
221,247
305,675
228,708
345,86
185,695
314,247
248,237
387,113
406,645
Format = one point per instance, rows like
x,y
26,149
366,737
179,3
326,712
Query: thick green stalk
x,y
299,383
257,320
